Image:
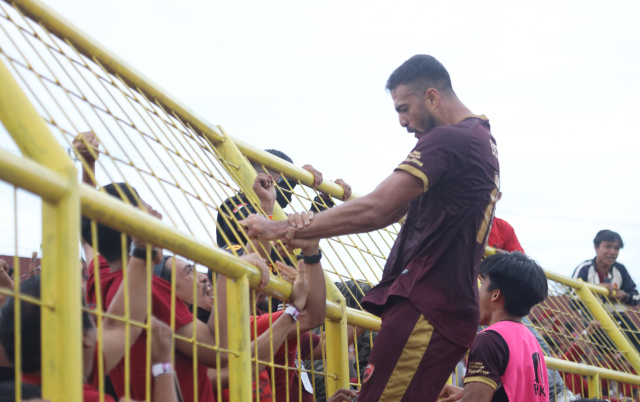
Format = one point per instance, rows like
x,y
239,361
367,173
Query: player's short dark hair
x,y
423,72
519,278
607,235
8,391
109,240
30,327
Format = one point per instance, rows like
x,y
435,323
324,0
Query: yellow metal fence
x,y
57,83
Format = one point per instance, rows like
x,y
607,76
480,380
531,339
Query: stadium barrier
x,y
57,82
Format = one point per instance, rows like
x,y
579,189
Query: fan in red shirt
x,y
110,247
112,347
502,236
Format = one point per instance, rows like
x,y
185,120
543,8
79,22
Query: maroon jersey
x,y
434,261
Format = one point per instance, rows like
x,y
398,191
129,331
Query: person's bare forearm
x,y
114,330
88,173
164,388
316,308
280,330
356,216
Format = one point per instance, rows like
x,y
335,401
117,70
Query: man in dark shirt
x,y
447,186
605,271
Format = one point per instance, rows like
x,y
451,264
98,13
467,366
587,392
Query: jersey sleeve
x,y
433,157
488,359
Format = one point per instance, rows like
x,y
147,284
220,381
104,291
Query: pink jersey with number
x,y
525,378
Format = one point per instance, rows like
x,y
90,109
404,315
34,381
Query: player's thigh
x,y
435,368
401,334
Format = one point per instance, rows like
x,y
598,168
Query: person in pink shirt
x,y
506,362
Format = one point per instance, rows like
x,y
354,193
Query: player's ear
x,y
496,295
432,98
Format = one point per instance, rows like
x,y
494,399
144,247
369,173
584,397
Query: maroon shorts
x,y
410,361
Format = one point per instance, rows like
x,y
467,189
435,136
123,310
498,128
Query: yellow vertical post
x,y
595,390
61,316
336,331
239,339
337,367
599,313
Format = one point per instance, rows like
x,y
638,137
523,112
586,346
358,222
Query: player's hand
x,y
87,146
317,176
257,261
343,395
300,219
308,246
450,394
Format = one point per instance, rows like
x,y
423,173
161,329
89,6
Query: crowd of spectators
x,y
283,332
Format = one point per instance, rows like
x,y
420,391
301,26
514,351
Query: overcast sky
x,y
558,80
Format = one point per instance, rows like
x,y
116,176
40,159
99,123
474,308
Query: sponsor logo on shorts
x,y
367,372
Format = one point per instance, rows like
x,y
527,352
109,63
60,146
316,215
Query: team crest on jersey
x,y
367,372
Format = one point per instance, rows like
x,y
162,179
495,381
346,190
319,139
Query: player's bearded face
x,y
422,121
427,121
412,110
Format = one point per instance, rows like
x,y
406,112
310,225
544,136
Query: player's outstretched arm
x,y
378,209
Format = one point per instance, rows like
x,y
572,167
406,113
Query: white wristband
x,y
293,312
161,368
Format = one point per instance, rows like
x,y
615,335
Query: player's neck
x,y
454,111
501,315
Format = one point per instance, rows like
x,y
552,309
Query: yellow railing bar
x,y
336,323
126,218
292,172
576,284
584,369
599,313
84,44
362,319
89,47
337,365
31,176
61,348
595,388
238,312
